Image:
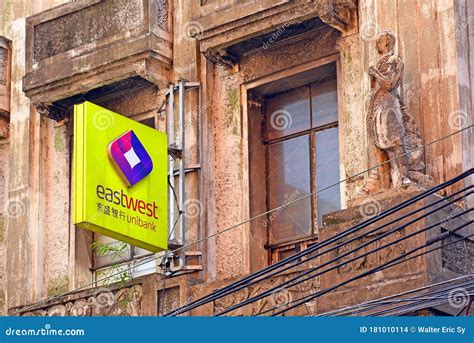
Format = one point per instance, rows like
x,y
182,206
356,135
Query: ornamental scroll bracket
x,y
221,57
51,111
340,14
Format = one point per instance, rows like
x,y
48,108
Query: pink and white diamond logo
x,y
130,158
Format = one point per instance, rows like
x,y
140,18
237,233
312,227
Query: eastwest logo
x,y
132,163
129,157
120,198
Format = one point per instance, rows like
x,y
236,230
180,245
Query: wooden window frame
x,y
273,250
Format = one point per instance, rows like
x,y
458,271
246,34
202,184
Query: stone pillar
x,y
352,112
5,72
19,265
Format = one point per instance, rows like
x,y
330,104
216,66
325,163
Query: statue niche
x,y
391,127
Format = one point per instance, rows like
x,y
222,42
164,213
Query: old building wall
x,y
429,88
48,256
54,206
25,274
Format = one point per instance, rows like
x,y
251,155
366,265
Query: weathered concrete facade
x,y
237,51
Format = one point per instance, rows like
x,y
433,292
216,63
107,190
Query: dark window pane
x,y
288,113
327,172
324,103
149,122
289,179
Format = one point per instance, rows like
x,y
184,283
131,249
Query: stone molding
x,y
278,299
230,24
83,45
101,301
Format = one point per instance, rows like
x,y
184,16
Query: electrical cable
x,y
228,290
292,282
244,281
418,255
424,253
350,308
315,295
437,298
424,297
375,239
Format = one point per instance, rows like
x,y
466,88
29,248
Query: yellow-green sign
x,y
120,177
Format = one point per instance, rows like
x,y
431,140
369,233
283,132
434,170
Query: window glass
x,y
288,113
324,103
289,179
327,172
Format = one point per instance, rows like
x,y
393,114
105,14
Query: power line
x,y
245,281
289,283
342,311
300,301
430,299
153,258
294,281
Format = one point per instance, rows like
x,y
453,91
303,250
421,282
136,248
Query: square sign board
x,y
120,178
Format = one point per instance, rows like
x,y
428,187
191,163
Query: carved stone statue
x,y
391,127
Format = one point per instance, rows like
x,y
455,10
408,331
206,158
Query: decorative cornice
x,y
228,25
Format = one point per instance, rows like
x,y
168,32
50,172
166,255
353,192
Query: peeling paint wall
x,y
25,274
